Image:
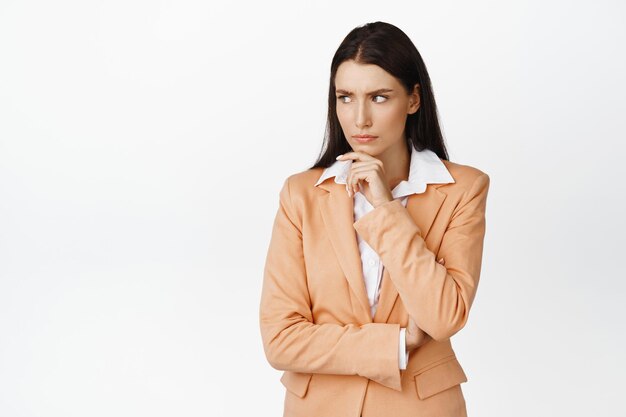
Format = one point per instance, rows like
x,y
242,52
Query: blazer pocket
x,y
437,378
296,382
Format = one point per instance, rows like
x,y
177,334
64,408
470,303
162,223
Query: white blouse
x,y
425,168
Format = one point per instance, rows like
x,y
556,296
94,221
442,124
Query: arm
x,y
437,297
290,338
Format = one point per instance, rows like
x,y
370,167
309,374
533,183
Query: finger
x,y
368,167
365,167
351,187
363,171
349,184
355,155
366,173
374,163
353,182
357,186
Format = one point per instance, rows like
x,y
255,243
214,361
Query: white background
x,y
143,145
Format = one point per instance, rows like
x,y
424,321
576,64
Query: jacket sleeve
x,y
437,297
291,340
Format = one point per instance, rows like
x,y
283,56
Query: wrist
x,y
381,202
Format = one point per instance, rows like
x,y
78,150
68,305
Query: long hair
x,y
387,46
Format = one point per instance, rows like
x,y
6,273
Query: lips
x,y
364,138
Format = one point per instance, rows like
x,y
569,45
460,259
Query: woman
x,y
376,250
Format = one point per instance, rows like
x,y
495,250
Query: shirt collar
x,y
425,168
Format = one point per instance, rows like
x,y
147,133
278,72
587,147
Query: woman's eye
x,y
340,98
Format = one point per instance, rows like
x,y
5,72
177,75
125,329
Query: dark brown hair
x,y
387,46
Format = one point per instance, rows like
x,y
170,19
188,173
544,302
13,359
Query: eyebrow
x,y
380,90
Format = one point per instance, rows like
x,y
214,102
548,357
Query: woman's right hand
x,y
416,337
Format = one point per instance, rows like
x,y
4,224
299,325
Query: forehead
x,y
363,77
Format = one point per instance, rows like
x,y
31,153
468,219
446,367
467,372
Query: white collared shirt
x,y
425,168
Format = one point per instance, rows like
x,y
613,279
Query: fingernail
x,y
339,156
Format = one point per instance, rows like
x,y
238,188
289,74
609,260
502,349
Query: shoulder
x,y
463,174
299,188
468,180
303,182
306,178
298,192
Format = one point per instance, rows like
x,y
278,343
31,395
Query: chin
x,y
370,149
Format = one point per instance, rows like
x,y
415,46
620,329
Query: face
x,y
370,101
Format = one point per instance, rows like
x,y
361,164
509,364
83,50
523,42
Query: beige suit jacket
x,y
315,318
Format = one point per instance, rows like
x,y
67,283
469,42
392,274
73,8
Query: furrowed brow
x,y
349,93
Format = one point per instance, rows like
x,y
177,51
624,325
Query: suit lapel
x,y
337,211
338,215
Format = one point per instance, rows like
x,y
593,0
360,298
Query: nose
x,y
362,118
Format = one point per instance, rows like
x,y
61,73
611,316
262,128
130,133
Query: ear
x,y
414,100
